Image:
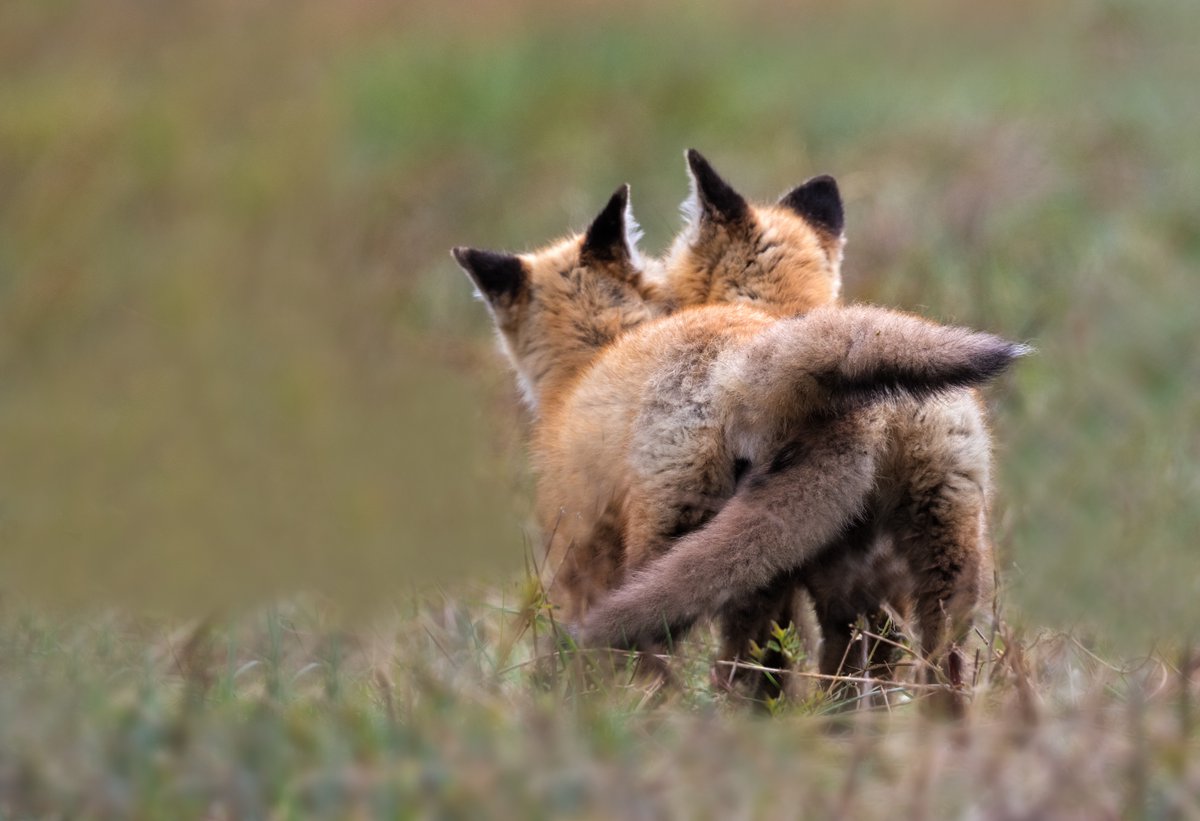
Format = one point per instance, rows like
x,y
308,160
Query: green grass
x,y
440,711
237,361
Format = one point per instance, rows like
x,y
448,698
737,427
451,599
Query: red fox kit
x,y
646,425
919,543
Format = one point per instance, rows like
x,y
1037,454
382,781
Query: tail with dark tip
x,y
890,352
835,357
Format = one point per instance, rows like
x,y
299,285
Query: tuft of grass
x,y
438,709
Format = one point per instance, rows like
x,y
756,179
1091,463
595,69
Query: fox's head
x,y
784,258
556,308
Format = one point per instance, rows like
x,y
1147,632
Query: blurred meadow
x,y
237,362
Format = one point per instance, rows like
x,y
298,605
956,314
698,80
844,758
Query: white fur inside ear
x,y
691,208
836,265
633,235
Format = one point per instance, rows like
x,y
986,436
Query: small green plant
x,y
784,650
784,643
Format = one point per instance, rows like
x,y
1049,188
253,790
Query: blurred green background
x,y
236,358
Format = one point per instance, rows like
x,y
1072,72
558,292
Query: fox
x,y
645,422
919,544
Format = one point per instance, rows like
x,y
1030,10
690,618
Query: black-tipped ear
x,y
819,202
607,239
717,198
498,276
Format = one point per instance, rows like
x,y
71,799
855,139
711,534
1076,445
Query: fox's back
x,y
657,377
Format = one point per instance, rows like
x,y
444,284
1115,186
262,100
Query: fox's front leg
x,y
850,583
747,622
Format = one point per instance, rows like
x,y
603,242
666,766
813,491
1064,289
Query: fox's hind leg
x,y
942,536
680,496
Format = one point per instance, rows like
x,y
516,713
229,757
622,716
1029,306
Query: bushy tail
x,y
835,356
888,351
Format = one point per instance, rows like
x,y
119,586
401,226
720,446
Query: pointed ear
x,y
712,197
499,277
819,202
613,235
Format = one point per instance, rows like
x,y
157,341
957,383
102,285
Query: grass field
x,y
238,362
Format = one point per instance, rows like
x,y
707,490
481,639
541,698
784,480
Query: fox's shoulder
x,y
618,377
657,342
727,321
